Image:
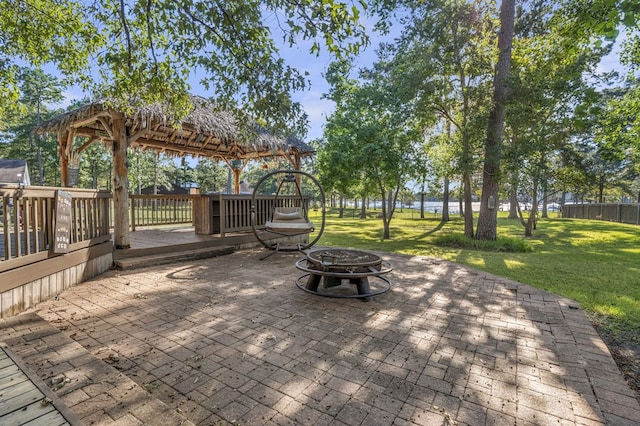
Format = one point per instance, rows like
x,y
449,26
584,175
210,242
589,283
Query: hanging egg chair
x,y
287,203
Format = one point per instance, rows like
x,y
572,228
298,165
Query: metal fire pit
x,y
332,266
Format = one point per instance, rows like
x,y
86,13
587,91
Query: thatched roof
x,y
206,131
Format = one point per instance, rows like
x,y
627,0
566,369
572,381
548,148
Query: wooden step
x,y
124,263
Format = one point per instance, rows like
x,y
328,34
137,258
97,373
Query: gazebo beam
x,y
89,120
106,126
85,145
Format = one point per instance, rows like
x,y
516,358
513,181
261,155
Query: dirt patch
x,y
626,353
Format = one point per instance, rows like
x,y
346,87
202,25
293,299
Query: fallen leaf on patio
x,y
113,358
59,381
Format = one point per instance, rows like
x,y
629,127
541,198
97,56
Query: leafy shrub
x,y
502,244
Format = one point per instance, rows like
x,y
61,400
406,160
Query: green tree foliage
x,y
95,167
144,50
550,78
37,32
35,90
608,144
444,62
211,176
38,89
369,143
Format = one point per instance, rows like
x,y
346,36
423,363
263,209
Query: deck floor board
x,y
22,401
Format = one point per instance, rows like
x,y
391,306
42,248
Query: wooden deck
x,y
25,399
171,235
149,241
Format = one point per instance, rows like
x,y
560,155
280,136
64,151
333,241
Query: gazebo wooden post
x,y
236,180
120,183
297,165
236,173
64,158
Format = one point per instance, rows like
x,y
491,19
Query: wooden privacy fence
x,y
28,220
624,213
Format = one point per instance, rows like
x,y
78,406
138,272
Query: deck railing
x,y
27,216
227,213
150,210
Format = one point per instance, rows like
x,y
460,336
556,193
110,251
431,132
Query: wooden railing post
x,y
223,214
132,201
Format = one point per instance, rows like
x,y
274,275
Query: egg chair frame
x,y
288,216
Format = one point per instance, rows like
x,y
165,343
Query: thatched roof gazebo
x,y
206,131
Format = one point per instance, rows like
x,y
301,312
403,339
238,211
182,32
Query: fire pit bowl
x,y
333,266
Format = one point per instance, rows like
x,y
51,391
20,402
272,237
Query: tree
x,y
549,79
441,149
35,90
95,167
145,50
38,88
210,175
37,32
444,59
488,219
608,144
368,141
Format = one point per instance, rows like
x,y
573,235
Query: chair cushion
x,y
291,226
288,214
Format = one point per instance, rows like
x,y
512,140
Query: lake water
x,y
431,207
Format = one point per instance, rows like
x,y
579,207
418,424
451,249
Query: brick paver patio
x,y
232,340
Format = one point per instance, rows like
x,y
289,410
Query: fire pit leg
x,y
332,281
362,285
312,282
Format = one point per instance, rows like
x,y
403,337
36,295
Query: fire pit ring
x,y
332,266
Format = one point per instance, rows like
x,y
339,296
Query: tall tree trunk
x,y
468,207
40,166
488,218
422,201
341,207
445,201
601,182
513,203
534,210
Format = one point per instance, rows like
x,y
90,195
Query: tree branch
x,y
125,27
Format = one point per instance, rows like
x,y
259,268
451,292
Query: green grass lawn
x,y
595,263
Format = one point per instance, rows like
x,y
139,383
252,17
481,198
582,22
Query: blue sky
x,y
312,100
297,56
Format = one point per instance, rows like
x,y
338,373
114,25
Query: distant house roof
x,y
14,172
